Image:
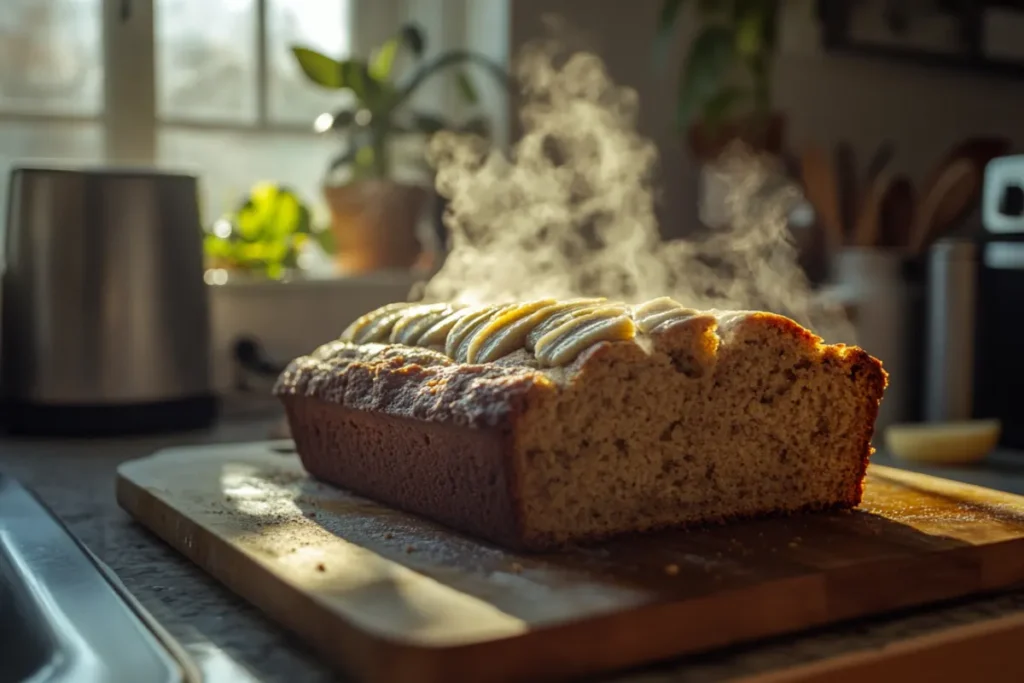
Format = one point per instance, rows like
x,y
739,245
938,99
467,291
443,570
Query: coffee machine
x,y
977,291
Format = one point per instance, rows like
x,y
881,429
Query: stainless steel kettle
x,y
105,318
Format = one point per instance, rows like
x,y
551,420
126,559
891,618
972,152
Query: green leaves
x,y
755,27
711,56
265,234
347,74
271,212
383,62
319,68
729,61
378,115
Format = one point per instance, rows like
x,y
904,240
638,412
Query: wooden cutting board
x,y
390,597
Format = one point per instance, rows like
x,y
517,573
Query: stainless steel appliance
x,y
975,367
54,592
949,356
105,321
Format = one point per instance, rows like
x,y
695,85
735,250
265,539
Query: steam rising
x,y
571,212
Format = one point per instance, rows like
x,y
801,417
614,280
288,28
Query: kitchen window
x,y
202,85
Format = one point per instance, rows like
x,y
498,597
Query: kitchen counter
x,y
76,479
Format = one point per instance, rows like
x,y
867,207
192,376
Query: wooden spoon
x,y
846,178
883,155
958,202
897,213
980,150
821,189
943,202
868,228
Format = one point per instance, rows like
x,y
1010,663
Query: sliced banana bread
x,y
538,424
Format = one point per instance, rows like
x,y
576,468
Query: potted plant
x,y
268,286
263,237
374,215
725,89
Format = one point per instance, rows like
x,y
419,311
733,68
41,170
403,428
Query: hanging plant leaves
x,y
711,55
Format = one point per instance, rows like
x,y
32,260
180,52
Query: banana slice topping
x,y
555,332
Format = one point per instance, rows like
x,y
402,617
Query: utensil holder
x,y
875,287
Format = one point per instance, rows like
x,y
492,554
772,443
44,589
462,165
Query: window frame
x,y
129,103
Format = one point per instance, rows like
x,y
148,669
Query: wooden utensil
x,y
958,203
979,150
822,192
942,202
391,597
846,177
897,213
881,159
867,230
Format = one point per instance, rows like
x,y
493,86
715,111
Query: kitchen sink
x,y
26,649
63,615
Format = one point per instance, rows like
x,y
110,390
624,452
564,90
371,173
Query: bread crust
x,y
413,429
463,478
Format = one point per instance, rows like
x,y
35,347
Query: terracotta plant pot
x,y
374,224
767,136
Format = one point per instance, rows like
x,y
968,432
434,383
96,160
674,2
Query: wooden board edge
x,y
985,651
352,650
905,477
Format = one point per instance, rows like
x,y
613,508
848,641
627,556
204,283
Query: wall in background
x,y
827,98
621,33
924,110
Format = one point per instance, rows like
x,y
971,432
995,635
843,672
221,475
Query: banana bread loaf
x,y
538,424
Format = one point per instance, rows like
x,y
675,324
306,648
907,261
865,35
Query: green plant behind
x,y
380,112
264,235
728,71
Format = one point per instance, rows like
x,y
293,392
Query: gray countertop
x,y
76,479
